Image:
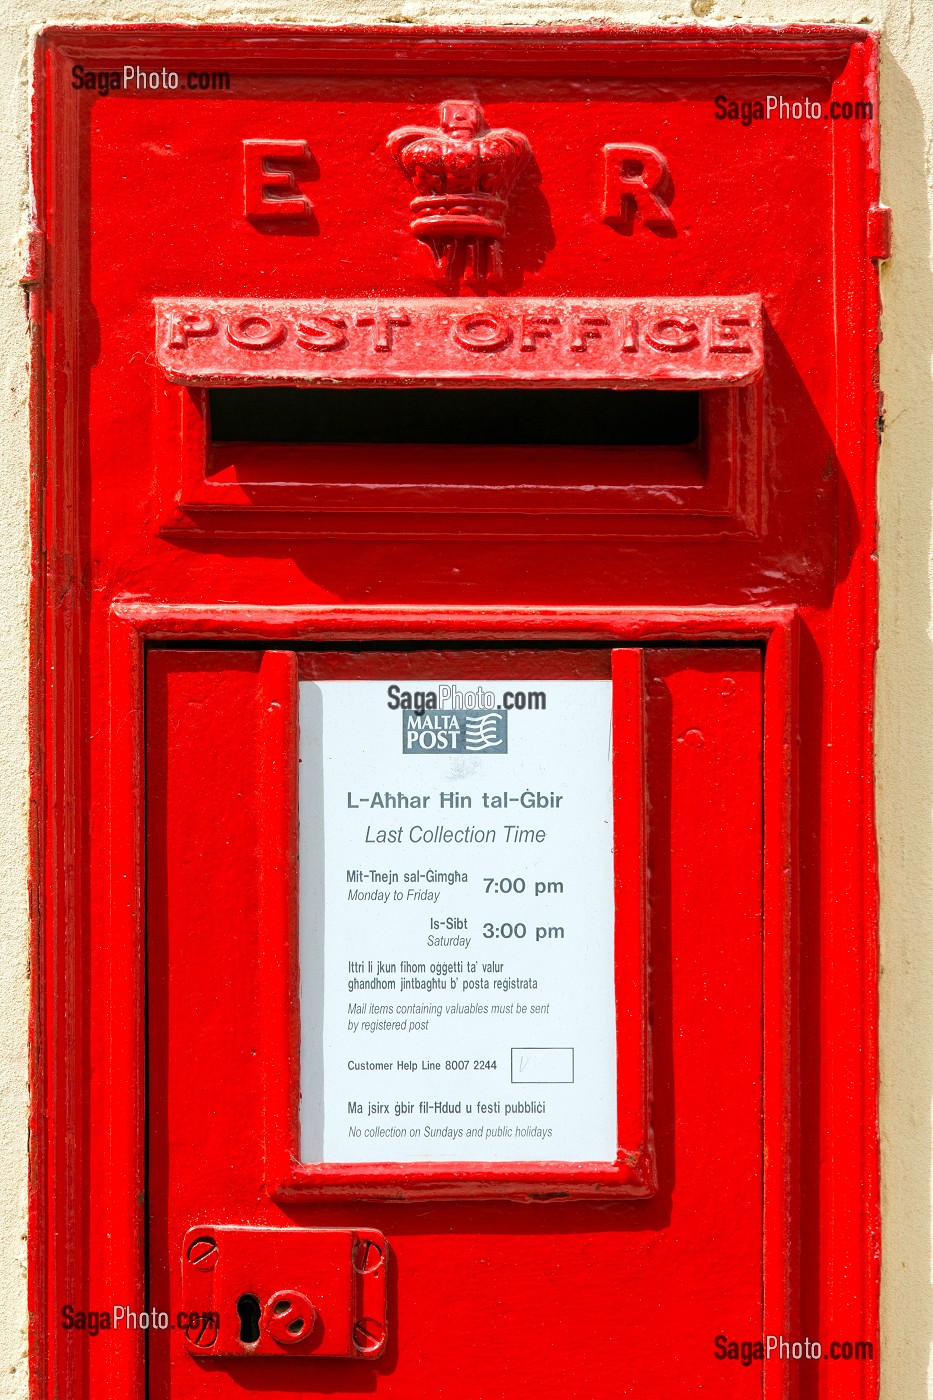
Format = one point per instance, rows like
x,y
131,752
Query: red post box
x,y
456,939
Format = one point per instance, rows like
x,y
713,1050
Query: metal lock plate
x,y
249,1291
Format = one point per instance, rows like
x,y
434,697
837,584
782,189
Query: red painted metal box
x,y
455,957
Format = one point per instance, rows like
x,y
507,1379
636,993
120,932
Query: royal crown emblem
x,y
464,174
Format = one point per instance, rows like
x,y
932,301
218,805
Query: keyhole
x,y
249,1310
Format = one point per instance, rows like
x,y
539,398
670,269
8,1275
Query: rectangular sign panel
x,y
700,342
457,921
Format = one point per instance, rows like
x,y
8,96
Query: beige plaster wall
x,y
905,664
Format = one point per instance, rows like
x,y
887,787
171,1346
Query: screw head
x,y
367,1256
202,1253
201,1332
369,1336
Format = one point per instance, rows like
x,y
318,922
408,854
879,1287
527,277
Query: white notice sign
x,y
457,947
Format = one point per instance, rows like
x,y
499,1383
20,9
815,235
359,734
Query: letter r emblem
x,y
637,185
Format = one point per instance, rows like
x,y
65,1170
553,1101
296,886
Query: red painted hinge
x,y
34,261
879,232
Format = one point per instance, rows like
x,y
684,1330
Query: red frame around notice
x,y
287,1177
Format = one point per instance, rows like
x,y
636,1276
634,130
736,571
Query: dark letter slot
x,y
463,417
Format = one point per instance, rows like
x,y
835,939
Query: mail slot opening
x,y
457,417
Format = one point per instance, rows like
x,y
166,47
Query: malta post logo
x,y
455,731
